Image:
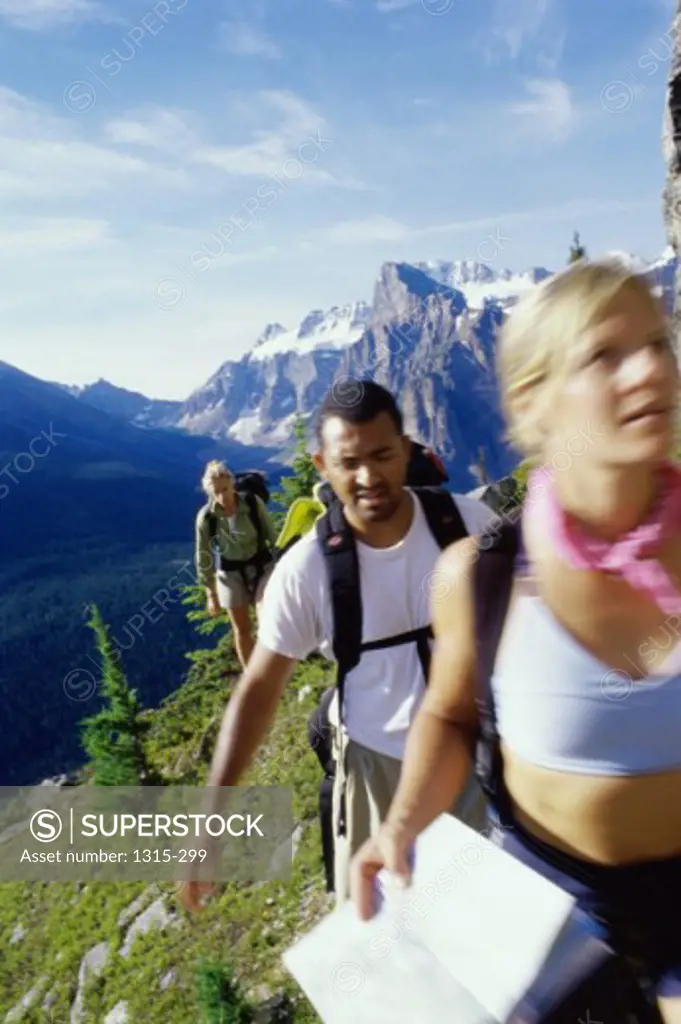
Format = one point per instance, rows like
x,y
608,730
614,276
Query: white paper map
x,y
469,937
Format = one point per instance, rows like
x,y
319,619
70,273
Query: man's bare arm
x,y
246,721
438,752
249,715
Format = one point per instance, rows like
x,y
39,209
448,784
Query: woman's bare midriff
x,y
612,821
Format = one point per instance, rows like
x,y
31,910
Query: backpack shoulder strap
x,y
212,521
254,513
498,548
338,547
442,514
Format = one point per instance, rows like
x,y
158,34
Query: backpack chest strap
x,y
419,636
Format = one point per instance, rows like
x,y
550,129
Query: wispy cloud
x,y
365,231
299,134
51,234
384,229
243,39
155,127
518,21
518,24
37,15
33,139
548,113
273,132
387,6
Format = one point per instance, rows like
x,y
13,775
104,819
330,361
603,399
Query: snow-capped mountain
x,y
429,334
480,283
334,329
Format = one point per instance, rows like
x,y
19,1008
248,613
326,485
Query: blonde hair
x,y
540,340
213,470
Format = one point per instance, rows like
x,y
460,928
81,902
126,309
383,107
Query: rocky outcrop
x,y
420,336
429,347
671,148
156,915
92,965
26,1002
119,1014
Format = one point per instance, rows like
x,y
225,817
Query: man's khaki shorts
x,y
371,781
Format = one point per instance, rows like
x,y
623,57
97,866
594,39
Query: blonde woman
x,y
584,694
239,525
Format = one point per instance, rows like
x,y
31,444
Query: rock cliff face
x,y
671,148
430,349
429,335
256,398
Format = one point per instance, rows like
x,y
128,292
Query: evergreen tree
x,y
304,474
577,250
219,996
113,738
520,475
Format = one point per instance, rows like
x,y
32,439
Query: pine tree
x,y
304,473
577,250
219,996
113,738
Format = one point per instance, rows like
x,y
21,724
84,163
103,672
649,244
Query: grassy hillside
x,y
181,973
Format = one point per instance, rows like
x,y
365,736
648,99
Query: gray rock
x,y
17,934
135,907
671,150
119,1014
295,838
168,979
93,963
57,780
155,916
26,1001
50,998
285,852
276,1009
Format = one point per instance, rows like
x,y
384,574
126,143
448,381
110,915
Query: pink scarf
x,y
627,556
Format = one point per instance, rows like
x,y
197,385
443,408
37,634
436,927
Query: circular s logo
x,y
46,826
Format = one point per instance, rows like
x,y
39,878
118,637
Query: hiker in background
x,y
359,578
237,522
564,629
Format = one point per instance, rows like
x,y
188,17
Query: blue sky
x,y
175,174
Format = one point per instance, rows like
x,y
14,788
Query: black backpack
x,y
249,485
337,542
425,468
252,481
618,989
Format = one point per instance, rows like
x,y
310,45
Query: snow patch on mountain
x,y
336,328
480,284
253,428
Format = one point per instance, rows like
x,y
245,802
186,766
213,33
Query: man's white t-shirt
x,y
382,692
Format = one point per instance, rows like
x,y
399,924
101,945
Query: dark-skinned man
x,y
395,535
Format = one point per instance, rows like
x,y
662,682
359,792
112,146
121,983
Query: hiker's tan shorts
x,y
232,591
371,781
